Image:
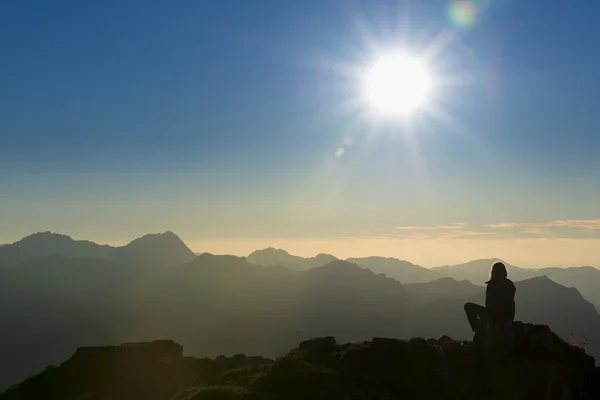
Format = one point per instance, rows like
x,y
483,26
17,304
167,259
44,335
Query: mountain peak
x,y
45,235
401,270
43,244
325,256
541,279
341,268
152,236
271,251
155,249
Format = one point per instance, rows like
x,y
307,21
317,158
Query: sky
x,y
241,125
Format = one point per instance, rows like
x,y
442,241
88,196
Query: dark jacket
x,y
500,300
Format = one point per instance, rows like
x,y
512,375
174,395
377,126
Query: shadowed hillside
x,y
585,279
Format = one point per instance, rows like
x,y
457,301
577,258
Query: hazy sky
x,y
223,122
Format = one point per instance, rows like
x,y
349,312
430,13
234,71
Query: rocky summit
x,y
537,365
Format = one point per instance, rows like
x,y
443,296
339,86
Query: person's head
x,y
498,271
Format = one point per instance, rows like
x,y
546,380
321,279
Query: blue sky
x,y
220,120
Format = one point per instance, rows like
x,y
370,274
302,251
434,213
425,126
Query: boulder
x,y
499,339
518,338
318,344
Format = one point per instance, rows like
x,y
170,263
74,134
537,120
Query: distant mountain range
x,y
402,271
57,294
443,288
478,271
585,279
538,299
276,257
164,249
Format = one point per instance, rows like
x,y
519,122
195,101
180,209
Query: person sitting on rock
x,y
499,302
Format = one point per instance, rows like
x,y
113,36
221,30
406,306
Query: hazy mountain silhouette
x,y
46,243
160,249
544,301
272,306
585,279
163,249
539,300
214,305
401,270
443,288
478,271
217,305
38,326
276,257
49,304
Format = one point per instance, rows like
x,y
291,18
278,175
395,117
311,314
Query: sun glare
x,y
397,84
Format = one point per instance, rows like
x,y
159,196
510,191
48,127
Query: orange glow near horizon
x,y
521,252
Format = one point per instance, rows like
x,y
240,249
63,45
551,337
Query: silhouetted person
x,y
499,302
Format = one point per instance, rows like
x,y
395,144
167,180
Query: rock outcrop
x,y
539,366
150,371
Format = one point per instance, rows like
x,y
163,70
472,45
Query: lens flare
x,y
462,13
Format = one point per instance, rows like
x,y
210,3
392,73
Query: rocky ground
x,y
539,366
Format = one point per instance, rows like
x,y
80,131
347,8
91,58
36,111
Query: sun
x,y
397,84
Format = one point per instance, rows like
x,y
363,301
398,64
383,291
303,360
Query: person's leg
x,y
476,315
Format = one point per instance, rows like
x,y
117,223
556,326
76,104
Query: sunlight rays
x,y
393,78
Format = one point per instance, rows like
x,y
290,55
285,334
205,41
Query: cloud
x,y
537,231
571,223
573,228
457,230
459,225
588,224
507,225
567,229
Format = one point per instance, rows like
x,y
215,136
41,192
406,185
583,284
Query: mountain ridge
x,y
278,257
152,249
207,302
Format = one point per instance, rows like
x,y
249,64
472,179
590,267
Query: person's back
x,y
500,300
